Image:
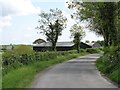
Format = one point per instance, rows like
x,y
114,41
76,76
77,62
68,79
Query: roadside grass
x,y
109,64
23,76
115,76
114,73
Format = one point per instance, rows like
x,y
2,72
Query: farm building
x,y
95,44
60,46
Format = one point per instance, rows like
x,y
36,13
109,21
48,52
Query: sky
x,y
19,18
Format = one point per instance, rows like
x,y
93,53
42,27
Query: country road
x,y
76,73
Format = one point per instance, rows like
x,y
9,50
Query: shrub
x,y
15,59
22,49
82,50
93,50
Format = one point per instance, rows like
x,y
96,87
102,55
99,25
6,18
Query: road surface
x,y
76,73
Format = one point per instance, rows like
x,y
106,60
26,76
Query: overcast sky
x,y
18,19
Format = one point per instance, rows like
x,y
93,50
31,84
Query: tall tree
x,y
78,33
117,22
51,24
101,18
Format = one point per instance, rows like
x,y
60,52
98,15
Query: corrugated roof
x,y
62,44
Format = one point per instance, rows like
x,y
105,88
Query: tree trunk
x,y
78,48
106,41
53,46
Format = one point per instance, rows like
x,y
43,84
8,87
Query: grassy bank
x,y
109,64
23,76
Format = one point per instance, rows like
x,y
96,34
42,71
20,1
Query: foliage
x,y
109,64
51,24
22,76
12,60
102,18
117,19
93,50
21,49
78,33
101,42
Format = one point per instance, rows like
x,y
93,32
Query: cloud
x,y
28,32
66,4
47,0
9,8
5,21
27,35
70,21
29,28
17,7
66,32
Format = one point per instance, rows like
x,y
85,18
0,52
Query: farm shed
x,y
60,46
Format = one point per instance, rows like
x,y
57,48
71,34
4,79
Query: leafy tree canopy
x,y
51,25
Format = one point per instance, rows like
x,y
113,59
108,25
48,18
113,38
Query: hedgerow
x,y
94,50
23,55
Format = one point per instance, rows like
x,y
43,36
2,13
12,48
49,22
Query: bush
x,y
23,76
22,49
82,50
15,59
93,50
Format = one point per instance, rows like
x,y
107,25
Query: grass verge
x,y
109,69
23,76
